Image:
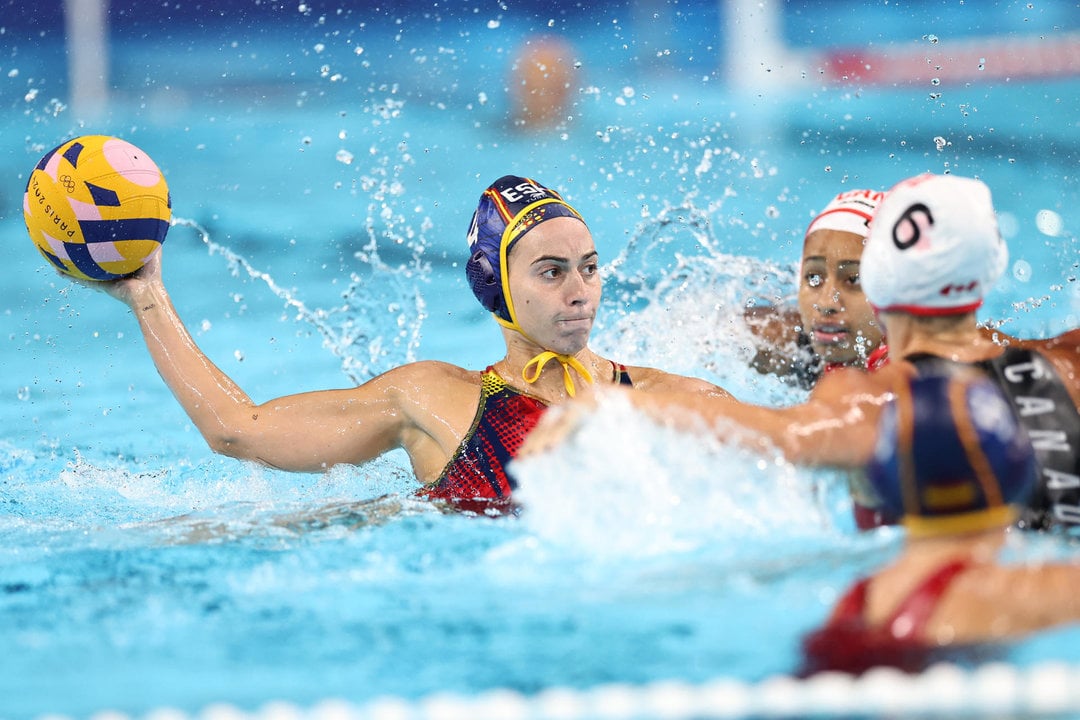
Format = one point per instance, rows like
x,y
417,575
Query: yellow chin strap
x,y
513,229
567,362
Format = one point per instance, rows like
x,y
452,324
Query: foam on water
x,y
623,486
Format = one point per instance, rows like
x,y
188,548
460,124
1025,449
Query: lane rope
x,y
1047,690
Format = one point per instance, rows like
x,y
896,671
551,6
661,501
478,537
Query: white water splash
x,y
622,486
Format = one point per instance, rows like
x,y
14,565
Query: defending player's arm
x,y
837,426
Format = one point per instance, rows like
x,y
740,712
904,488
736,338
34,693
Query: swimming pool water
x,y
319,240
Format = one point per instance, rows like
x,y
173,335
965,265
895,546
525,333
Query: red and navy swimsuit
x,y
847,643
476,476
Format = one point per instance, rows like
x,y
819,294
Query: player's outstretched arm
x,y
307,432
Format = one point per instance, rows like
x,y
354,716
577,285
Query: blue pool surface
x,y
321,197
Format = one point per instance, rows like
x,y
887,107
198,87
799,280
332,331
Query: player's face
x,y
555,286
835,313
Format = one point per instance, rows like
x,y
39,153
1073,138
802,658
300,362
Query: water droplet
x,y
344,156
940,143
933,39
493,24
1022,270
1049,223
24,393
935,81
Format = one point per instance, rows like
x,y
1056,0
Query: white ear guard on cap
x,y
934,247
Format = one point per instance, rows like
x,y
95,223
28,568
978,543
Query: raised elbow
x,y
227,445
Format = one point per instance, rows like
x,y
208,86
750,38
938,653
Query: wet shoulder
x,y
437,370
440,400
852,385
431,380
655,380
1063,352
1012,600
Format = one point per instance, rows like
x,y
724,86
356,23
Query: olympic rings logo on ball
x,y
97,207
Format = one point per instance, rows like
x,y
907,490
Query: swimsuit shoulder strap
x,y
928,364
852,605
909,620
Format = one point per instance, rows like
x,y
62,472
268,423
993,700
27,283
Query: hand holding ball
x,y
97,208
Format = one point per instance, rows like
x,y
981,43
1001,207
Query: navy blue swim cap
x,y
951,457
509,208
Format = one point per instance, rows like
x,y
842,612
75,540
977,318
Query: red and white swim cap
x,y
934,247
850,211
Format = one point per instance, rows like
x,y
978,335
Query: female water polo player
x,y
933,252
834,326
954,465
533,265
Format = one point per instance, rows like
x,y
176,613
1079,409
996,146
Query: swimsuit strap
x,y
491,383
852,605
909,620
878,358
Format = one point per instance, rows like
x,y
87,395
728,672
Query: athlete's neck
x,y
549,374
980,546
956,338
